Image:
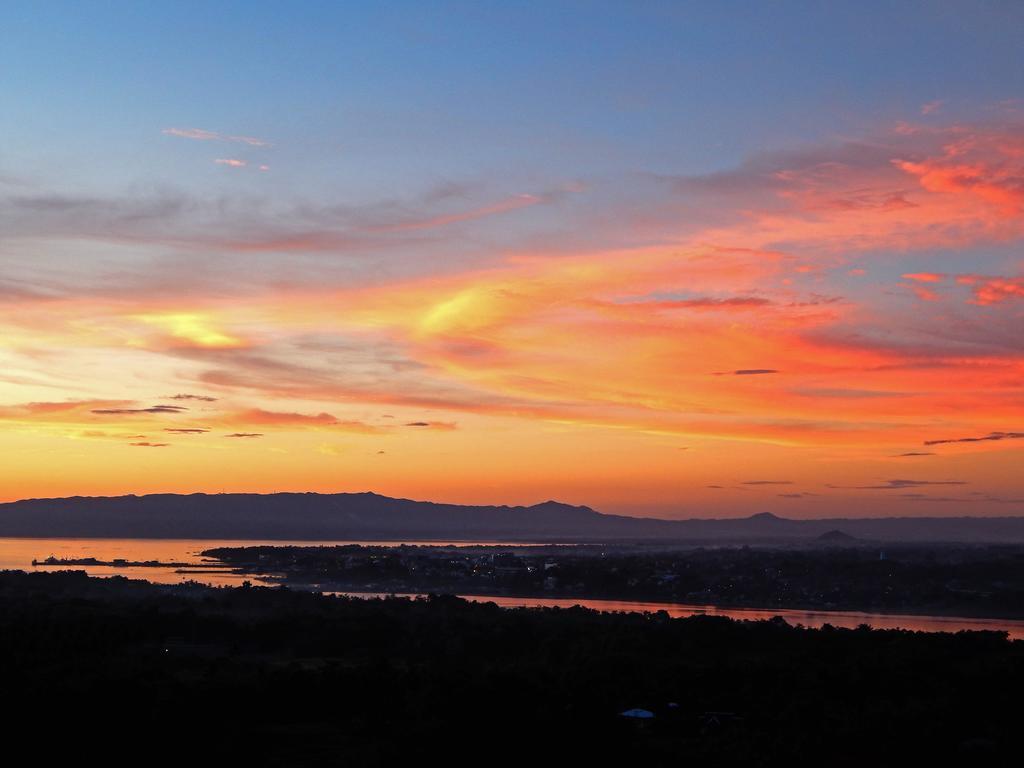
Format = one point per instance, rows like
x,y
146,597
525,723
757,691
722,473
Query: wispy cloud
x,y
316,420
510,204
989,290
199,134
243,225
720,273
156,409
991,437
890,485
981,498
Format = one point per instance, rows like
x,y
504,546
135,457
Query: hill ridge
x,y
369,515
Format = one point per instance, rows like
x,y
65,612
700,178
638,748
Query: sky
x,y
670,259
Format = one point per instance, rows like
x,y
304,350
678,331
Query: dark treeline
x,y
260,676
954,579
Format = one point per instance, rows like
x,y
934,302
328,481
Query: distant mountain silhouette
x,y
370,516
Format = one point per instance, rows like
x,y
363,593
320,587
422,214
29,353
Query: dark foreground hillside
x,y
250,676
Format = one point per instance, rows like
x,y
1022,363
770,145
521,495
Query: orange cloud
x,y
578,357
261,417
59,411
192,328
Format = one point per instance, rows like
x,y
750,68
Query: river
x,y
18,554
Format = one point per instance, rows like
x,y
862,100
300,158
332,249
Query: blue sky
x,y
363,98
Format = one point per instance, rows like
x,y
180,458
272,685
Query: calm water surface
x,y
846,619
18,554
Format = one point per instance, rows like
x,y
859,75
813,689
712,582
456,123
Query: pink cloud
x,y
914,188
987,289
200,134
197,134
987,165
993,290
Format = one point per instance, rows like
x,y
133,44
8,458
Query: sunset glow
x,y
380,285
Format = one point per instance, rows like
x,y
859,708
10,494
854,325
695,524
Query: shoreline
x,y
654,603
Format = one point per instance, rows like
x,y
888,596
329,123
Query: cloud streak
x,y
199,134
153,409
891,485
992,437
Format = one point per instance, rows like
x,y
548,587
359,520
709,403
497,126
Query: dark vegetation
x,y
984,581
256,676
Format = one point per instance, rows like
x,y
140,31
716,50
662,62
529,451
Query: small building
x,y
637,714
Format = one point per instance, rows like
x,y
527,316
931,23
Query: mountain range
x,y
370,516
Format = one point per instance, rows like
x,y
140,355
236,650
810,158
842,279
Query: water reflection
x,y
815,619
18,554
846,619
